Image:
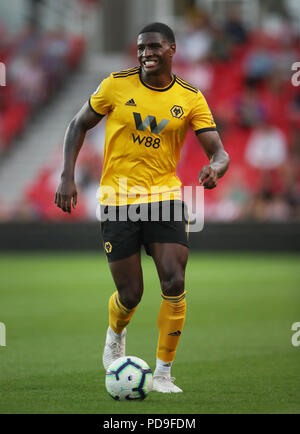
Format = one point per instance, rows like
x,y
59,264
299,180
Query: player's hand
x,y
208,177
66,195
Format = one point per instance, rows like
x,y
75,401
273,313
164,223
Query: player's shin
x,y
119,315
170,324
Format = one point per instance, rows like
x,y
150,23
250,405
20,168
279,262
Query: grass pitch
x,y
235,354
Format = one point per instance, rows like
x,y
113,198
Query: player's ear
x,y
172,49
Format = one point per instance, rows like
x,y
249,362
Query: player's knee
x,y
173,285
130,298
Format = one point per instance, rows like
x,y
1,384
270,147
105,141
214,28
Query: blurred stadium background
x,y
240,54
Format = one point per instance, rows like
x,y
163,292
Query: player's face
x,y
154,52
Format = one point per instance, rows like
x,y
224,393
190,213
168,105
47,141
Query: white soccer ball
x,y
128,378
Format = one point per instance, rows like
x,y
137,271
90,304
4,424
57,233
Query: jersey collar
x,y
158,89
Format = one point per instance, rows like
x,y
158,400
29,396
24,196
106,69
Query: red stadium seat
x,y
13,120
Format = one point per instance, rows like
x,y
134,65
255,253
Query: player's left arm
x,y
218,157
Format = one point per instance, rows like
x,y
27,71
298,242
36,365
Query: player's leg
x,y
166,240
122,244
170,260
128,278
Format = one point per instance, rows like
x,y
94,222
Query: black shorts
x,y
126,228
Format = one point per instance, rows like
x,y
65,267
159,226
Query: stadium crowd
x,y
246,78
36,63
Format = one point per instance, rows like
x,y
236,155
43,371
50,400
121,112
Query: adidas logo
x,y
178,333
131,102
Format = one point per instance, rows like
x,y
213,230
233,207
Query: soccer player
x,y
149,110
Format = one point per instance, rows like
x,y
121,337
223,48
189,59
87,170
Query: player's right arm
x,y
84,120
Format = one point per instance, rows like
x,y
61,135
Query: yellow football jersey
x,y
145,131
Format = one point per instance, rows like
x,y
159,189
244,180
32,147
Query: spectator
x,y
267,204
30,80
290,175
249,108
294,110
232,198
196,43
266,148
234,27
200,74
53,58
258,64
221,45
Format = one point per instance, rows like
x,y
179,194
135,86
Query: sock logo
x,y
178,333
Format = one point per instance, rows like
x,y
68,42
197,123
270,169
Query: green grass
x,y
235,354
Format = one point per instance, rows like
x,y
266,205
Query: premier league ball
x,y
128,378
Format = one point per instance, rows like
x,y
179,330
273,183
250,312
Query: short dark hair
x,y
161,28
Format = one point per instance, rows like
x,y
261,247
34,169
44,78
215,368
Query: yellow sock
x,y
119,315
170,324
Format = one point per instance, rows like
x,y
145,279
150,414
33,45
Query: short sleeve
x,y
101,100
201,117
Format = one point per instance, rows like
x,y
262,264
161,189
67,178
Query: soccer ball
x,y
128,378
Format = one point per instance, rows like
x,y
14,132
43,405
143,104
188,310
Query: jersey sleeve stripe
x,y
185,83
203,130
124,71
118,74
186,87
96,113
125,74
